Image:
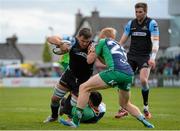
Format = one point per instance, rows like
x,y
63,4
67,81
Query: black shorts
x,y
138,62
70,82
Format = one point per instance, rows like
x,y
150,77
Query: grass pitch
x,y
26,108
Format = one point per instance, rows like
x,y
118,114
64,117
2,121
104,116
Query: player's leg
x,y
68,105
94,83
144,75
122,112
64,103
72,99
132,109
59,93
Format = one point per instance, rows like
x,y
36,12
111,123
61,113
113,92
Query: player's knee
x,y
58,93
82,88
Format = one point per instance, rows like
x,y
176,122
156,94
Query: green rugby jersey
x,y
114,55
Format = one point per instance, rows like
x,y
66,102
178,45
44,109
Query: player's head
x,y
95,98
141,10
107,32
84,37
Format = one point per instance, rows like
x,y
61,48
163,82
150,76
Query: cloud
x,y
32,25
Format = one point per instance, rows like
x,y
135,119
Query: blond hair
x,y
108,32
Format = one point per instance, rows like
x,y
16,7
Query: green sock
x,y
77,116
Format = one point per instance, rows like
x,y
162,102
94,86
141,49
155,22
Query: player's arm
x,y
60,43
123,39
94,51
101,60
155,42
102,110
99,64
126,33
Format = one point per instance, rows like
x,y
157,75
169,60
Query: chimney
x,y
12,40
79,18
95,13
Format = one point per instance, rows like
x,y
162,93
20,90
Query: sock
x,y
145,94
77,116
67,106
146,108
54,109
142,119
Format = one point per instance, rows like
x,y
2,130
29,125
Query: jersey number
x,y
118,50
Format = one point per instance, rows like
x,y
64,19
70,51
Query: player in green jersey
x,y
92,113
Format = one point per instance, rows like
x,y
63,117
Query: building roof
x,y
23,52
9,50
33,52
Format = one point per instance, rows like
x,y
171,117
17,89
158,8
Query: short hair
x,y
141,5
85,32
108,32
95,98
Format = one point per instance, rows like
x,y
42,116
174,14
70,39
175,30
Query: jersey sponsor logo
x,y
145,65
139,34
112,82
82,54
144,28
133,28
128,86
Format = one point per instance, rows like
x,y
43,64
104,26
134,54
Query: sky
x,y
33,20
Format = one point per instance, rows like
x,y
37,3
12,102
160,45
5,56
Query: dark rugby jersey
x,y
141,44
78,63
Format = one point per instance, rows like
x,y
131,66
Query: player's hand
x,y
91,57
65,47
91,49
152,63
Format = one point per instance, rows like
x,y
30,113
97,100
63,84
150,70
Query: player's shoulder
x,y
102,41
130,22
153,22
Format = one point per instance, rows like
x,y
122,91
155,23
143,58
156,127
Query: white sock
x,y
146,108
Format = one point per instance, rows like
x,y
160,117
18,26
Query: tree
x,y
47,55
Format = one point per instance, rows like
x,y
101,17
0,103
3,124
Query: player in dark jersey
x,y
118,73
144,46
79,70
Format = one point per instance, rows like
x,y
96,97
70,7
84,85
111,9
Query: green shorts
x,y
117,79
